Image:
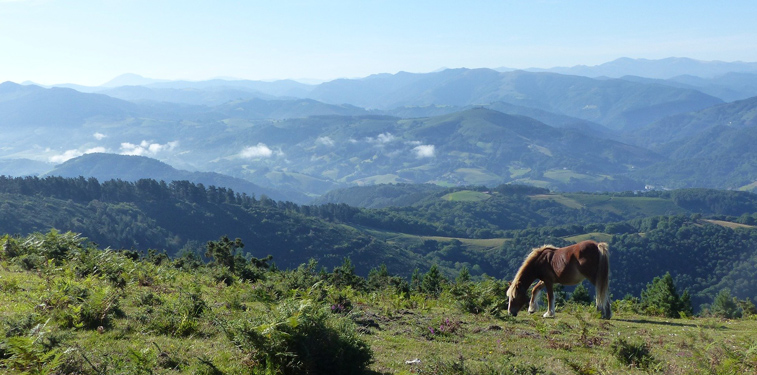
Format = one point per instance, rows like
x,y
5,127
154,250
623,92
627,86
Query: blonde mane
x,y
516,281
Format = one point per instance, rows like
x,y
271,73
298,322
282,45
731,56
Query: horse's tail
x,y
602,282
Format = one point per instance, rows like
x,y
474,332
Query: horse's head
x,y
517,298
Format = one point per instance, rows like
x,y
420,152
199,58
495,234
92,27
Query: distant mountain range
x,y
451,127
662,69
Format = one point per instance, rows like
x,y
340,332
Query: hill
x,y
716,142
476,146
76,308
660,69
29,107
312,147
617,104
379,196
132,168
182,216
486,231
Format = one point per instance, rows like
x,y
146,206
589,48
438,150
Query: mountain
x,y
33,106
617,104
661,68
210,97
133,168
709,148
380,196
282,109
280,88
739,114
728,87
476,146
23,167
129,79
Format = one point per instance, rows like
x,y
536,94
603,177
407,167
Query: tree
x,y
223,252
344,275
661,298
581,295
432,281
464,276
725,306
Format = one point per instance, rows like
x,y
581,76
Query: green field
x,y
596,236
467,196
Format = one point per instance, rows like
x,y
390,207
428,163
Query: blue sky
x,y
92,41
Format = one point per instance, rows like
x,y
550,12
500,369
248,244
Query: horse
x,y
568,266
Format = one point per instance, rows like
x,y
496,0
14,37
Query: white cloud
x,y
258,151
326,141
70,154
382,138
146,148
99,136
425,151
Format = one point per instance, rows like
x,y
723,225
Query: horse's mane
x,y
516,281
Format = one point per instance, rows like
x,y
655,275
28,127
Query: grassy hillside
x,y
67,307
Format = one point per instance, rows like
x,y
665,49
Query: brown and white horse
x,y
568,266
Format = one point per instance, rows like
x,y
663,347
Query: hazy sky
x,y
92,41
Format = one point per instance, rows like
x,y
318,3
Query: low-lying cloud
x,y
326,141
261,150
146,148
425,151
382,138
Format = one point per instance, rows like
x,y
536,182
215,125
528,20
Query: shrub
x,y
661,298
581,295
298,337
725,306
632,353
487,296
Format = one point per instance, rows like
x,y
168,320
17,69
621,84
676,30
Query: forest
x,y
704,238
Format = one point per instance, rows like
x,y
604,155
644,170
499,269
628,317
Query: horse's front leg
x,y
534,304
551,300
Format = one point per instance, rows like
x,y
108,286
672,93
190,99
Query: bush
x,y
581,295
632,353
725,306
487,296
661,298
298,337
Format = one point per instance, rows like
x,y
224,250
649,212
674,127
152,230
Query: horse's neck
x,y
528,276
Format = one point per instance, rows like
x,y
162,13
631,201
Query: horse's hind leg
x,y
534,304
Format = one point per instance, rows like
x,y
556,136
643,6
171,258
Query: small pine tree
x,y
463,277
725,306
415,280
581,295
432,281
661,298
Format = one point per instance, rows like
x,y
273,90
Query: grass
x,y
473,244
157,319
474,176
564,175
596,236
575,342
467,196
729,224
559,198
